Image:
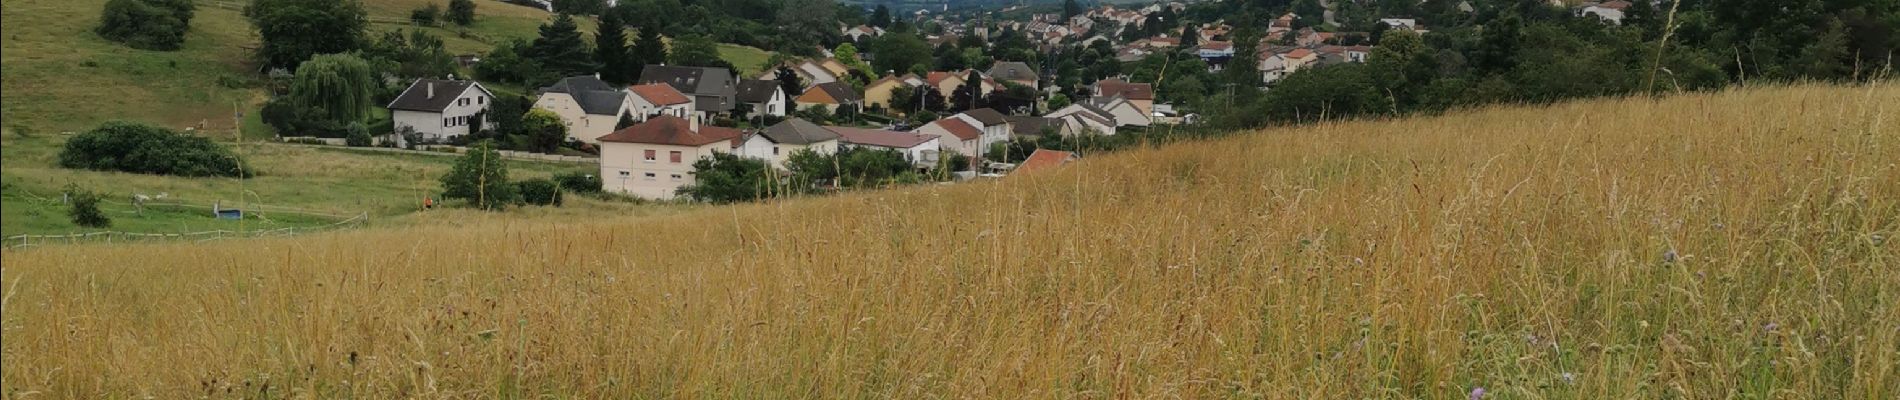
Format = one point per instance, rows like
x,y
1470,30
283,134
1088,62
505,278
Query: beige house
x,y
588,106
831,96
653,159
879,93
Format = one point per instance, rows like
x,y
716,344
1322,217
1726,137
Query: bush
x,y
145,149
480,177
578,182
85,209
461,12
358,136
425,15
540,192
146,24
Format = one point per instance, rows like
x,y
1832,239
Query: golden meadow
x,y
1738,244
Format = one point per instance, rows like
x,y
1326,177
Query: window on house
x,y
481,100
775,150
676,177
624,174
445,122
650,175
652,156
675,156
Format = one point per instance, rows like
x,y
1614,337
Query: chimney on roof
x,y
692,122
431,90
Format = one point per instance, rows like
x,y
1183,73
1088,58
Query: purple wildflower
x,y
1476,393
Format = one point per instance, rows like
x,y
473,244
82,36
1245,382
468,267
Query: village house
x,y
831,96
776,143
712,89
1141,95
1080,119
955,135
809,72
879,93
861,32
920,150
1216,51
440,109
653,159
1016,72
655,99
588,106
1029,126
764,97
1609,11
994,125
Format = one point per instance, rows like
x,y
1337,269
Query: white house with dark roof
x,y
439,109
589,106
765,96
777,142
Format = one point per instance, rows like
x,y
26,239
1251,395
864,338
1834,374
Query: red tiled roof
x,y
1217,45
1131,91
1299,53
659,94
670,130
936,77
1044,158
961,129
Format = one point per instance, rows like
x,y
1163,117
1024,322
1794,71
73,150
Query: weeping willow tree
x,y
335,86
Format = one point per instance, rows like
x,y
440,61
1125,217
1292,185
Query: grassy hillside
x,y
1727,245
59,76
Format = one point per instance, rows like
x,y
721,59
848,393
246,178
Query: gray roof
x,y
419,96
1029,126
595,96
756,90
1012,71
711,88
798,131
988,117
839,91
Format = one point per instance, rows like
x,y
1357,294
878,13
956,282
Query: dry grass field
x,y
1729,245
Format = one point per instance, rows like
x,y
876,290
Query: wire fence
x,y
343,220
25,241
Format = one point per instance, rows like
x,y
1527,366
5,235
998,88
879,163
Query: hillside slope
x,y
1735,244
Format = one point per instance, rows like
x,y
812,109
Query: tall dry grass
x,y
1728,245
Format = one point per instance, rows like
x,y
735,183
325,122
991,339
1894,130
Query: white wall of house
x,y
1127,114
625,168
581,125
452,121
776,106
950,143
643,109
1606,13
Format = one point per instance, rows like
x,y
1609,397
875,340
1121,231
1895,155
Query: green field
x,y
331,180
750,60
